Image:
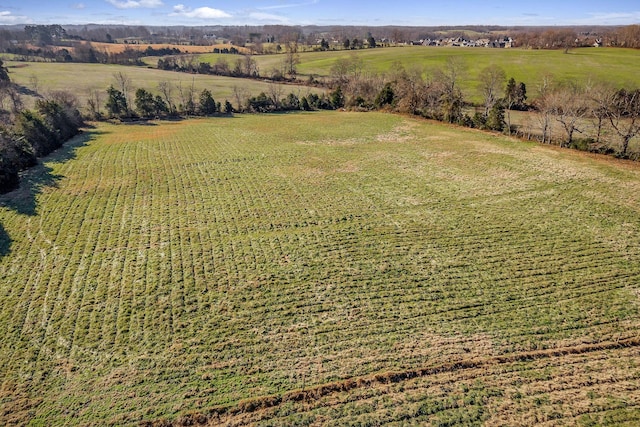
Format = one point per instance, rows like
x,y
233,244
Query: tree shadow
x,y
32,182
5,242
23,90
24,199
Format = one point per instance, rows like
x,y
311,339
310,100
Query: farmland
x,y
319,268
119,47
529,66
81,79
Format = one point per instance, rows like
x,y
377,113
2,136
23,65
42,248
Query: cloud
x,y
285,6
268,17
199,13
612,18
78,6
135,4
7,17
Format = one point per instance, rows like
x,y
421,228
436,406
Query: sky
x,y
320,12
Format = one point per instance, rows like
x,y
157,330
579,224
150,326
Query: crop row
x,y
199,263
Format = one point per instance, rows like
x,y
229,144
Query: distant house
x,y
502,43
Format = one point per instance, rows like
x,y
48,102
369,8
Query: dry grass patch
x,y
120,47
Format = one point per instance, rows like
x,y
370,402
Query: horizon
x,y
374,13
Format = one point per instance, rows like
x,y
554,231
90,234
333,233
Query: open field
x,y
81,79
120,47
320,268
607,64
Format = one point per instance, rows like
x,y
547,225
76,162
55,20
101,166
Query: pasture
x,y
319,268
615,65
82,79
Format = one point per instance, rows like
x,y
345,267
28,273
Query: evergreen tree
x,y
207,104
522,95
4,74
292,102
304,104
495,119
145,104
515,95
337,98
116,102
371,41
160,106
31,126
228,108
385,97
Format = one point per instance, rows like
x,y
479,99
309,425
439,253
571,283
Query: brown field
x,y
119,47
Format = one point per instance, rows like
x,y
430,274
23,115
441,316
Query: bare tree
x,y
221,67
451,99
187,62
94,102
124,84
275,94
409,89
364,88
600,99
346,69
568,104
398,36
249,66
492,80
166,89
624,116
187,95
14,96
544,106
34,82
340,71
292,58
240,94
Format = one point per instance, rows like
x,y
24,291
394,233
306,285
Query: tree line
x,y
28,134
86,53
121,101
593,116
585,115
73,43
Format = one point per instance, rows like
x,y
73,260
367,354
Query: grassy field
x,y
529,66
81,79
319,268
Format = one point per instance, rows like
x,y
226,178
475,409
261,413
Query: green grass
x,y
148,271
530,66
81,79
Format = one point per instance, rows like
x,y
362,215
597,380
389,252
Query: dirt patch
x,y
212,415
401,133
